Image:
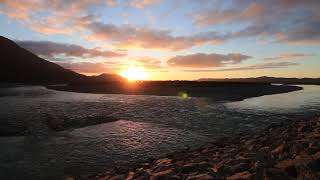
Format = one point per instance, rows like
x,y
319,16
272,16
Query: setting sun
x,y
135,73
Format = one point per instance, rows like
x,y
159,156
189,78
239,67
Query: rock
x,y
163,161
314,165
203,166
141,173
291,171
162,174
189,168
240,167
204,176
69,178
288,166
278,150
161,165
272,173
130,175
118,177
241,175
316,155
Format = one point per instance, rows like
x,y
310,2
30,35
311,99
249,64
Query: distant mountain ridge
x,y
18,65
266,79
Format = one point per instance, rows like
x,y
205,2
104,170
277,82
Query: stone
x,y
273,173
240,167
69,178
163,161
241,175
204,176
162,174
118,177
141,173
189,168
130,175
278,150
314,165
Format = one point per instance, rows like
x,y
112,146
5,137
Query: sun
x,y
134,73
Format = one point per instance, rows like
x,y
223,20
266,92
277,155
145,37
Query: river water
x,y
147,126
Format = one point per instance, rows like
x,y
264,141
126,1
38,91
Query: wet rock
x,y
204,176
162,174
69,178
141,173
278,150
117,177
272,173
314,165
189,168
130,175
289,167
240,167
239,176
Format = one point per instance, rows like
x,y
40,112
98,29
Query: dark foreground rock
x,y
287,152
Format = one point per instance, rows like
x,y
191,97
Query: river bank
x,y
279,152
218,91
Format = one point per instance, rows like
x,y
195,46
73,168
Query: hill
x,y
22,66
265,79
18,65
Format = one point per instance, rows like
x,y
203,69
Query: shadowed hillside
x,y
20,65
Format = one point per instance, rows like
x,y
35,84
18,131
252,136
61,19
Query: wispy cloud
x,y
133,37
271,65
287,56
50,50
201,60
285,21
142,3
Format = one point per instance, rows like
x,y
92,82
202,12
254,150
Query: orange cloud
x,y
201,60
126,37
287,56
270,65
142,3
216,16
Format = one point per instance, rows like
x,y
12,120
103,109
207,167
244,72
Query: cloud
x,y
287,56
217,16
50,50
126,36
142,3
59,16
86,67
285,21
149,63
201,60
270,65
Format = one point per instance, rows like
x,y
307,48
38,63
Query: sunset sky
x,y
170,39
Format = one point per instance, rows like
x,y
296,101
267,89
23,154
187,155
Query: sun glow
x,y
135,73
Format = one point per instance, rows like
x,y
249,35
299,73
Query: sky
x,y
170,39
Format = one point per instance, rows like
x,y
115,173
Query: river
x,y
146,126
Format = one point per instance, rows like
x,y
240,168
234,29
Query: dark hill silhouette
x,y
22,66
266,79
99,79
18,65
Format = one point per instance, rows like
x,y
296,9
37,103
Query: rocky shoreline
x,y
279,152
